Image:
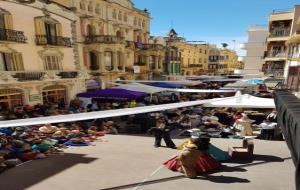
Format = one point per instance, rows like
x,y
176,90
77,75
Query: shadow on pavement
x,y
31,173
223,179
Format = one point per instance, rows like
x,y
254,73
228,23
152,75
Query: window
x,y
143,24
120,15
200,60
205,51
5,20
11,62
90,7
52,62
82,5
114,14
135,21
205,60
125,17
140,22
97,9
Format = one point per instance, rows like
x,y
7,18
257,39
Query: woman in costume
x,y
194,159
212,150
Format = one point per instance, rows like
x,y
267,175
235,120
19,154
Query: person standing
x,y
161,131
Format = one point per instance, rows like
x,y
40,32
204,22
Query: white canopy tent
x,y
140,88
98,114
182,82
152,89
242,101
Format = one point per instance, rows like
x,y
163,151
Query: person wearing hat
x,y
244,125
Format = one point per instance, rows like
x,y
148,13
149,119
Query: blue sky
x,y
214,21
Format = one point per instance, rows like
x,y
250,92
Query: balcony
x,y
276,55
24,76
276,73
105,39
12,36
279,34
53,40
195,66
142,46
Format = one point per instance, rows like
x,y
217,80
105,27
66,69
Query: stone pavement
x,y
125,161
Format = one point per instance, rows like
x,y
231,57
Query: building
x,y
293,62
113,40
228,61
172,62
213,60
193,56
255,50
282,25
37,54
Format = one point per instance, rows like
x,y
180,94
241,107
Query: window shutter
x,y
39,27
58,29
8,21
18,62
9,62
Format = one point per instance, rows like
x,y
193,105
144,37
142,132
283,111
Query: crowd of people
x,y
20,144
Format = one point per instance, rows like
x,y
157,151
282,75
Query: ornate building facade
x,y
113,40
193,57
37,57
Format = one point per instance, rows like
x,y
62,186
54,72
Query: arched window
x,y
82,5
90,7
108,60
114,14
93,61
120,15
97,9
90,30
54,94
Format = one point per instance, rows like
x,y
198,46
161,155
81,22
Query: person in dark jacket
x,y
161,131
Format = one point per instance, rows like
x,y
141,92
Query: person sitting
x,y
48,129
267,130
194,159
244,126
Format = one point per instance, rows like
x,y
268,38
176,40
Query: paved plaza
x,y
125,161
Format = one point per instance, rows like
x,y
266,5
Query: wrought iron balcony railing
x,y
53,40
142,46
12,35
106,39
23,76
280,33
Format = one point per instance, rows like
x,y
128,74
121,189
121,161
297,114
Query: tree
x,y
224,45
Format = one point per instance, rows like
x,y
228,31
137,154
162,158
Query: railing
x,y
53,40
139,64
195,65
23,76
277,73
279,11
12,35
280,33
142,46
274,54
106,39
68,74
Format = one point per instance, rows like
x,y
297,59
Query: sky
x,y
213,21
